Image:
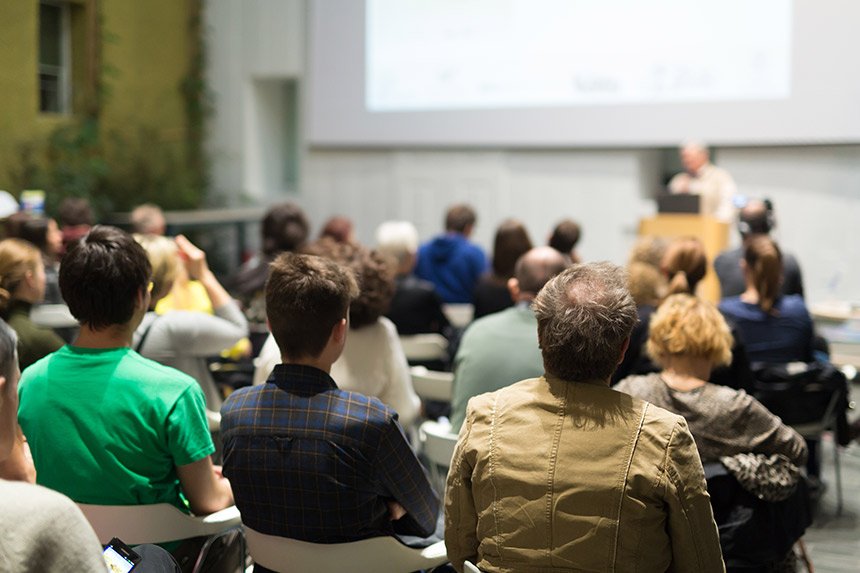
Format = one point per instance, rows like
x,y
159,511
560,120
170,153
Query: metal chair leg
x,y
838,470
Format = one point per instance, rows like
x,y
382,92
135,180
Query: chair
x,y
365,556
425,347
811,398
159,523
459,315
470,567
432,385
438,444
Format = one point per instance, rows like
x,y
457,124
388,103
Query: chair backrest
x,y
424,347
366,556
437,446
431,384
459,314
805,396
470,567
155,523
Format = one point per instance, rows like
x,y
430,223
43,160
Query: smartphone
x,y
120,558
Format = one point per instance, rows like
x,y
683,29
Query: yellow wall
x,y
145,54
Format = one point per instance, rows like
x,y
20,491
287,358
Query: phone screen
x,y
116,562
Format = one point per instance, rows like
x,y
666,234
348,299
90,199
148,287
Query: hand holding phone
x,y
119,557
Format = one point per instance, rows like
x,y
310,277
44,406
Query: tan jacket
x,y
551,475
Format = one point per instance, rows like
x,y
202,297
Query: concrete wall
x,y
816,189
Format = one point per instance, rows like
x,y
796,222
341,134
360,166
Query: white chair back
x,y
459,315
424,347
366,556
432,385
470,567
437,445
155,523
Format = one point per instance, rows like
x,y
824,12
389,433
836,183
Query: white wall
x,y
253,43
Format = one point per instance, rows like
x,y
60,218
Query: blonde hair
x,y
646,283
162,255
764,261
648,249
17,258
687,326
685,264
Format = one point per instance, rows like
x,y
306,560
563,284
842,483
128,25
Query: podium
x,y
713,233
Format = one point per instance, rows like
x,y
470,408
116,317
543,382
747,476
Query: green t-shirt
x,y
109,426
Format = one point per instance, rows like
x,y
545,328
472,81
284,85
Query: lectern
x,y
713,233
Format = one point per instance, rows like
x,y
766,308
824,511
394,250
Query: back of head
x,y
686,326
535,268
338,228
30,228
17,258
148,219
284,228
764,263
164,260
584,315
375,277
460,218
755,218
685,264
75,211
397,239
512,242
647,284
565,236
102,276
306,296
649,249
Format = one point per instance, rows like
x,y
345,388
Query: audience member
x,y
450,261
284,229
491,293
756,219
564,470
774,328
76,220
688,338
502,348
350,470
184,339
45,235
148,219
648,249
372,361
416,307
564,238
713,185
22,284
338,228
685,264
104,424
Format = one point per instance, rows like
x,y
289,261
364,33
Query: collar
x,y
302,379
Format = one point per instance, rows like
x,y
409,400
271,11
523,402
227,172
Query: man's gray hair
x,y
8,350
584,316
398,239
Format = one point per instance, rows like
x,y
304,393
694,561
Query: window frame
x,y
63,72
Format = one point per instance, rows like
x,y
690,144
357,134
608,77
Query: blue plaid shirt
x,y
312,462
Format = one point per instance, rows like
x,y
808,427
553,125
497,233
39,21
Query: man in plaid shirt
x,y
307,460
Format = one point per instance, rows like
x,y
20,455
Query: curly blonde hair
x,y
687,326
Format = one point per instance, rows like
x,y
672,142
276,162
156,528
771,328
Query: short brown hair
x,y
687,326
306,296
565,236
374,272
584,315
459,218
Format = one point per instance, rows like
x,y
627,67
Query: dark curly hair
x,y
374,272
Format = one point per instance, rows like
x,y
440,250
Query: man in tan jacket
x,y
562,473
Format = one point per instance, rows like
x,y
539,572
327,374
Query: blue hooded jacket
x,y
453,265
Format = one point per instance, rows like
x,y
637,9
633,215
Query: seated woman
x,y
774,328
688,337
491,293
22,284
184,339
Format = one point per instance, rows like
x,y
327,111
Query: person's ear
x,y
624,348
339,331
514,288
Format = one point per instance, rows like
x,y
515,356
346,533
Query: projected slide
x,y
497,54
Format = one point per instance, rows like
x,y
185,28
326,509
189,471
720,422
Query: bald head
x,y
694,156
535,268
755,218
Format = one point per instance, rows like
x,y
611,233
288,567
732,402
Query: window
x,y
54,58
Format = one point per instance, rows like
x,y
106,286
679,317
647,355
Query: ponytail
x,y
764,261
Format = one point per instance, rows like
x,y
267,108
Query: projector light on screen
x,y
498,54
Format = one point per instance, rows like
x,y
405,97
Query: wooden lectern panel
x,y
713,233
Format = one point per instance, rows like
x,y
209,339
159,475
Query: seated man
x,y
307,460
563,472
502,348
105,425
